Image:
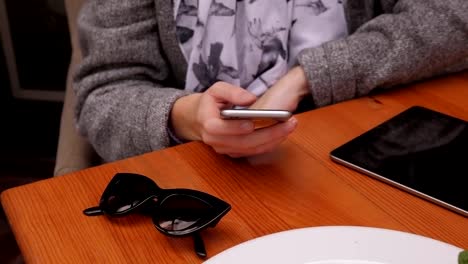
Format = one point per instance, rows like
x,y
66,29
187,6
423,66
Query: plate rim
x,y
213,259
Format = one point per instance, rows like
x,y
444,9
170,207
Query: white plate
x,y
340,245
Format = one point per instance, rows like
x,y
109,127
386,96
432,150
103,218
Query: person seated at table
x,y
155,74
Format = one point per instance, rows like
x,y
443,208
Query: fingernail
x,y
247,126
291,125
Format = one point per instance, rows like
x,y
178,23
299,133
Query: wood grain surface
x,y
296,186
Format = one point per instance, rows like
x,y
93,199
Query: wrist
x,y
300,78
182,117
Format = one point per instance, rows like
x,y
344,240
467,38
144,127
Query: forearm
x,y
184,125
127,119
420,39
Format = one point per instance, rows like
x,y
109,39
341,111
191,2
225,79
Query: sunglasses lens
x,y
121,203
126,193
182,213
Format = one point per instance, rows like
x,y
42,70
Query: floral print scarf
x,y
251,43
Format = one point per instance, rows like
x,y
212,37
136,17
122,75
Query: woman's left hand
x,y
286,93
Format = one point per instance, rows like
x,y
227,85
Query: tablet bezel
x,y
334,157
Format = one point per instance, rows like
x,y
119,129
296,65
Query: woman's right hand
x,y
197,117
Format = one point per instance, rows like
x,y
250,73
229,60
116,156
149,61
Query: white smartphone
x,y
256,114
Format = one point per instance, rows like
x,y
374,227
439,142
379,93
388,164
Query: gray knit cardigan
x,y
133,69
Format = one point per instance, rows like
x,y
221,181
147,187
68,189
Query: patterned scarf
x,y
251,43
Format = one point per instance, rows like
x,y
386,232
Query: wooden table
x,y
296,186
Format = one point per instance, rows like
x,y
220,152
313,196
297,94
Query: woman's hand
x,y
286,93
197,117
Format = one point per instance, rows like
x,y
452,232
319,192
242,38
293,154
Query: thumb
x,y
227,93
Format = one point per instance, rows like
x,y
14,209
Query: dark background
x,y
29,128
28,134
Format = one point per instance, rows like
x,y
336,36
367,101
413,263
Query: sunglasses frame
x,y
215,203
218,207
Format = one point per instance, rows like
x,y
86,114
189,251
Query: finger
x,y
235,155
243,143
261,149
221,127
224,92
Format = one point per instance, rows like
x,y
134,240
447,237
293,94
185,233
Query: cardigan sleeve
x,y
417,40
123,105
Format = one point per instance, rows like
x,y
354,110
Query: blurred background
x,y
34,56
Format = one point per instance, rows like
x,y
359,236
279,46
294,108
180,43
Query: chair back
x,y
74,152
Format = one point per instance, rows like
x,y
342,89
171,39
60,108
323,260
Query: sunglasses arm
x,y
199,246
92,211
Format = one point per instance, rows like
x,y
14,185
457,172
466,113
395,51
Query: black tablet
x,y
419,150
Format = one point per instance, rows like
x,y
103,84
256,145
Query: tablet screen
x,y
419,150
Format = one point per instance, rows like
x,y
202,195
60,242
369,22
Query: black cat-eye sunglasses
x,y
175,212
